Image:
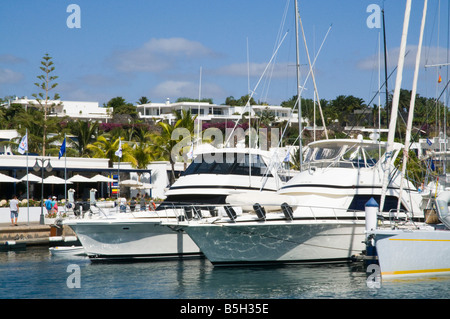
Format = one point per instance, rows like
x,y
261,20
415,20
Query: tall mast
x,y
385,70
299,100
395,101
412,103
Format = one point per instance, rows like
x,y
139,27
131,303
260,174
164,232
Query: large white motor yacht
x,y
319,215
200,192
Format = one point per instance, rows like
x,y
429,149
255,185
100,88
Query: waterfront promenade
x,y
31,234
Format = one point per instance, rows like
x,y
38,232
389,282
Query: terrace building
x,y
208,112
72,109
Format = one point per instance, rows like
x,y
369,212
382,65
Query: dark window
x,y
237,164
359,202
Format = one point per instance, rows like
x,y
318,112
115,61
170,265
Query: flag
x,y
440,79
190,154
287,157
23,146
62,150
119,150
429,142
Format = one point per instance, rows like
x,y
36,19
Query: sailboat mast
x,y
412,103
299,100
385,69
395,101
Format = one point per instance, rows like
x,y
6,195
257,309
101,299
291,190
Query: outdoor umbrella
x,y
55,180
102,178
79,179
144,186
8,179
130,183
31,178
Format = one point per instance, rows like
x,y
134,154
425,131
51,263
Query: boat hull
x,y
133,239
279,242
67,251
418,252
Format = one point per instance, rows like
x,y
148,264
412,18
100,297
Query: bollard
x,y
371,210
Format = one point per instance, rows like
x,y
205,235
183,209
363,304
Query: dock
x,y
34,234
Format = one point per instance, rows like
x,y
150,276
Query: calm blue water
x,y
34,273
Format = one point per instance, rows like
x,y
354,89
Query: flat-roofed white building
x,y
210,112
72,109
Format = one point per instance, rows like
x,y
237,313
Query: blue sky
x,y
156,48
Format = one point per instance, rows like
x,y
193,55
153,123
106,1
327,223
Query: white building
x,y
72,109
210,112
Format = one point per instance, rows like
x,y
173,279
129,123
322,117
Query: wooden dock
x,y
32,234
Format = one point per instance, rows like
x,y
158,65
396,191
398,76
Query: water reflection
x,y
37,274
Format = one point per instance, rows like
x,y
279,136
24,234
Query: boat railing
x,y
400,217
186,211
224,212
337,163
100,209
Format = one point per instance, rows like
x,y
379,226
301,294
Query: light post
x,y
48,168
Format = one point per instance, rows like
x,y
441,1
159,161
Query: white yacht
x,y
215,174
320,212
200,192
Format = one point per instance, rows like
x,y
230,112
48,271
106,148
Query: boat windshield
x,y
228,163
354,155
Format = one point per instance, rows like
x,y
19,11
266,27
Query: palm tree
x,y
104,147
85,132
185,119
32,120
143,149
143,100
166,142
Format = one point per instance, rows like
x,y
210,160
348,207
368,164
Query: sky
x,y
166,49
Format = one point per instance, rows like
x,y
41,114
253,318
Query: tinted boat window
x,y
359,202
237,164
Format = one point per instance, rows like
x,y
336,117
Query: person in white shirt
x,y
14,208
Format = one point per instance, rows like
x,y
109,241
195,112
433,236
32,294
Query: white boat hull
x,y
418,252
261,242
133,239
67,251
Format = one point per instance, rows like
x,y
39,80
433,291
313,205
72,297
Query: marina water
x,y
35,273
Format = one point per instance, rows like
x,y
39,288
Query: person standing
x,y
132,204
142,203
54,205
48,205
14,208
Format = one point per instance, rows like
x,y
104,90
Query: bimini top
x,y
347,152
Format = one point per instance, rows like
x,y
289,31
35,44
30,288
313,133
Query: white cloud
x,y
10,59
278,70
10,76
429,56
176,89
158,55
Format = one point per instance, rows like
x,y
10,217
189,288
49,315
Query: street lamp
x,y
48,168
